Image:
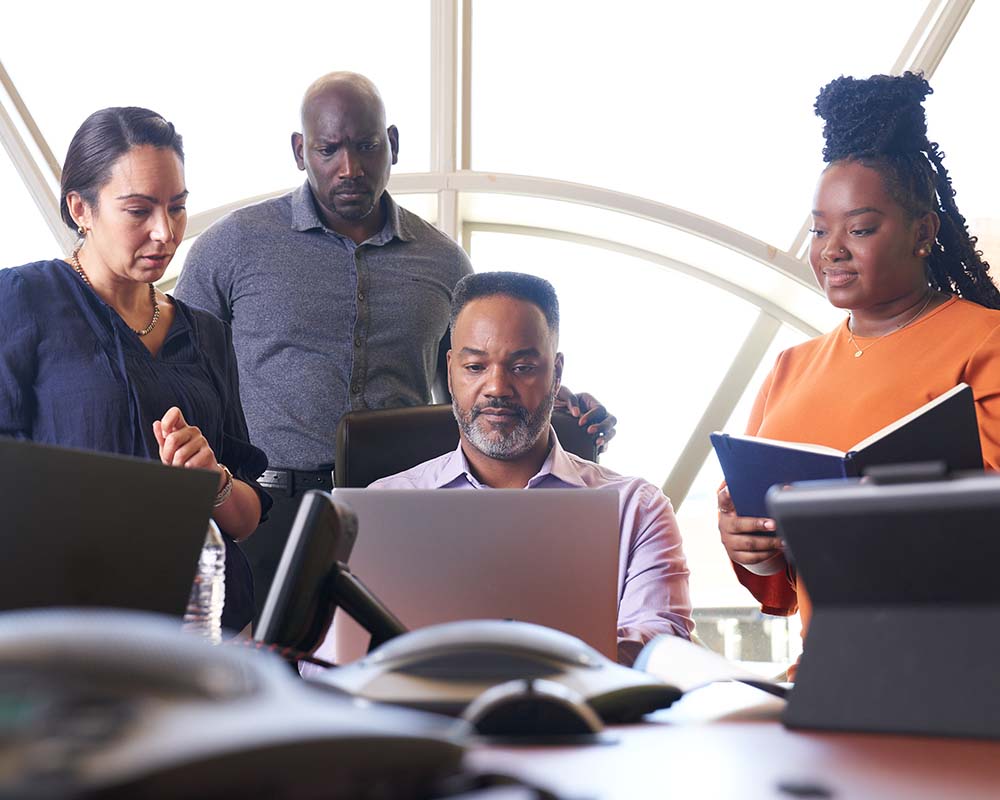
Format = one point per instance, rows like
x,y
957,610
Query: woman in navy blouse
x,y
93,356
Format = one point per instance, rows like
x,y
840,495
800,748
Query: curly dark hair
x,y
879,122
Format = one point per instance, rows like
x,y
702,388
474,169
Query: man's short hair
x,y
518,285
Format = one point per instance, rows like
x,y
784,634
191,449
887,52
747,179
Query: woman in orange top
x,y
890,246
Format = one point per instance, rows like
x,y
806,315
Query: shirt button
x,y
361,295
357,343
356,388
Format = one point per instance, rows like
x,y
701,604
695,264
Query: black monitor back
x,y
98,530
906,604
301,601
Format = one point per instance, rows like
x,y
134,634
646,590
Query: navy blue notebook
x,y
943,430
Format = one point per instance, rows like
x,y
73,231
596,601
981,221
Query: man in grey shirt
x,y
338,299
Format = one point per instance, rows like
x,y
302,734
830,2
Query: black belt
x,y
294,480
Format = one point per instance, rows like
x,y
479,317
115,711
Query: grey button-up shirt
x,y
322,326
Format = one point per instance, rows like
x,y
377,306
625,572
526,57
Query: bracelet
x,y
226,490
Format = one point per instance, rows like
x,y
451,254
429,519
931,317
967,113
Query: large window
x,y
27,238
707,106
963,115
230,77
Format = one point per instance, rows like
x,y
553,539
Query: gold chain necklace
x,y
860,351
75,263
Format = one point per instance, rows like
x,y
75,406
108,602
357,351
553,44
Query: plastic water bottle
x,y
203,616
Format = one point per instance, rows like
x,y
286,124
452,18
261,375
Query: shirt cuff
x,y
771,566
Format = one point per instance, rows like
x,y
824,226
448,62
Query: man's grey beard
x,y
522,436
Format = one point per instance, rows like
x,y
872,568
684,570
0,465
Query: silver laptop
x,y
548,556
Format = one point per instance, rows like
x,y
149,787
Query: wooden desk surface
x,y
746,753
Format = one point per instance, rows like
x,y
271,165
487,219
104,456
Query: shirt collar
x,y
455,467
305,217
395,222
557,465
304,214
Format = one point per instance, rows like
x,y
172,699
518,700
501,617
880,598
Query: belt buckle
x,y
277,479
318,479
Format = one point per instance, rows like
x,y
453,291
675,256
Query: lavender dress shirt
x,y
652,572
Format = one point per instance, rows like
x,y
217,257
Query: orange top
x,y
818,392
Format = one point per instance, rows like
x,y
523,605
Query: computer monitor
x,y
97,530
545,556
906,604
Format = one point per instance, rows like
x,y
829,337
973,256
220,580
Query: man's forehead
x,y
343,106
502,315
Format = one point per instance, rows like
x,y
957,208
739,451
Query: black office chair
x,y
374,444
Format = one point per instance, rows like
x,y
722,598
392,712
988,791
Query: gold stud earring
x,y
924,251
80,231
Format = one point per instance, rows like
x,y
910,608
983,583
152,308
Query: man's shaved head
x,y
358,87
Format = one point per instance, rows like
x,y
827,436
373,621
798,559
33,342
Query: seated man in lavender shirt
x,y
503,372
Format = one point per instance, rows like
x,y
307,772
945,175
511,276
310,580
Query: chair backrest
x,y
374,444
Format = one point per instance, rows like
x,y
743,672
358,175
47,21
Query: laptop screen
x,y
92,529
544,556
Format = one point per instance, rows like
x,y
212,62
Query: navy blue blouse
x,y
72,373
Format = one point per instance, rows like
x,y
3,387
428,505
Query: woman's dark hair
x,y
879,122
511,284
103,138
